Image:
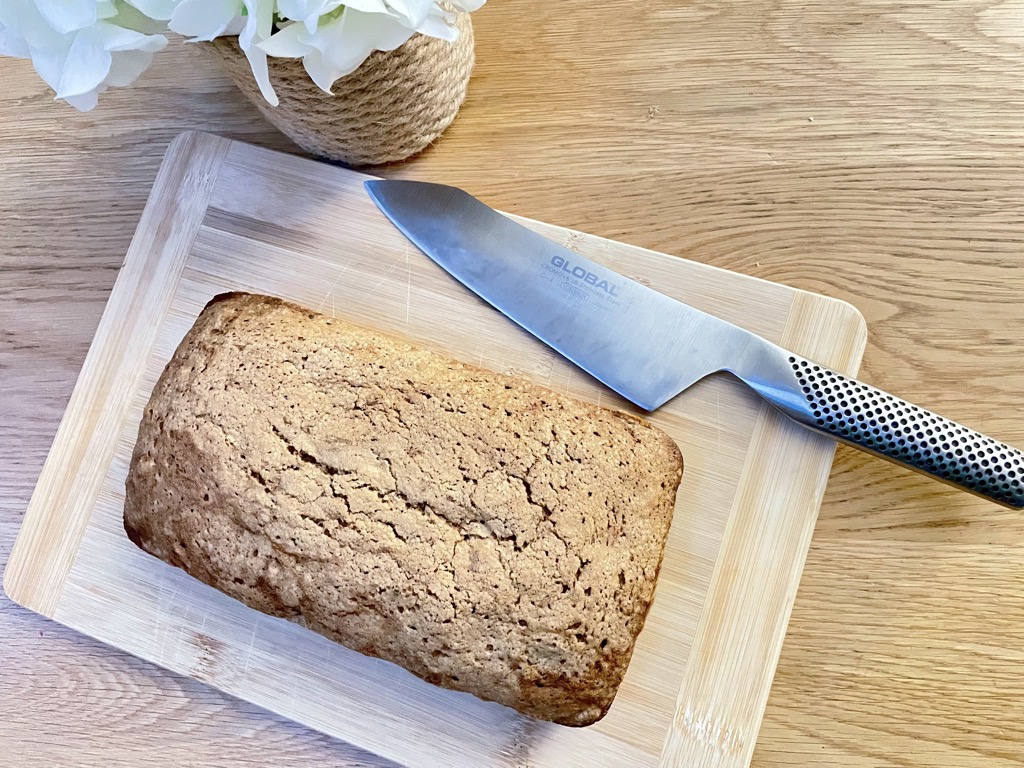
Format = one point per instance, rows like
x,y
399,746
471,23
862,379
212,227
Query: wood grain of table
x,y
872,151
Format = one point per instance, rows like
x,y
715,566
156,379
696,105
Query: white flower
x,y
333,38
338,46
207,19
307,11
251,20
82,47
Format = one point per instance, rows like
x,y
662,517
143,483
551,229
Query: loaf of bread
x,y
484,533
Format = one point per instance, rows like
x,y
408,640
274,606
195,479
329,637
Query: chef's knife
x,y
649,347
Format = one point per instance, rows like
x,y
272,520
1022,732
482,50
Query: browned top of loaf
x,y
487,534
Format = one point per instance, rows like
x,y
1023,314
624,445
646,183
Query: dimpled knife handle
x,y
875,421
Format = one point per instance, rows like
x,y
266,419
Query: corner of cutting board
x,y
848,324
188,141
14,573
850,314
26,574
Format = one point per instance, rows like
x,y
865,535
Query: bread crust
x,y
487,534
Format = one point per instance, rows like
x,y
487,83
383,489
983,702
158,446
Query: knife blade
x,y
649,347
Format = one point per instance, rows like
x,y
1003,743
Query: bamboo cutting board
x,y
227,216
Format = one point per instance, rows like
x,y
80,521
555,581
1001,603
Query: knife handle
x,y
868,418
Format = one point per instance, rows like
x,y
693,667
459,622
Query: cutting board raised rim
x,y
765,536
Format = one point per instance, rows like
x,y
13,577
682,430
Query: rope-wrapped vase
x,y
394,105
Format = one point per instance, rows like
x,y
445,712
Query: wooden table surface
x,y
871,150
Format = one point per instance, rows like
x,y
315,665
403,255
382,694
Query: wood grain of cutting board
x,y
227,216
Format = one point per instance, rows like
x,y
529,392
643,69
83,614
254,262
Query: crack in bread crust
x,y
487,534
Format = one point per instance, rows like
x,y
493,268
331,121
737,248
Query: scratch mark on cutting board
x,y
718,421
408,286
179,636
301,662
250,644
167,596
380,282
330,291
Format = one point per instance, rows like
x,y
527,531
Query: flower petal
x,y
261,13
319,71
410,12
155,9
331,55
234,29
260,70
85,102
298,10
467,6
67,15
21,17
293,9
369,6
346,43
373,31
106,9
12,44
288,43
258,26
126,67
309,11
204,19
85,66
48,65
120,39
438,26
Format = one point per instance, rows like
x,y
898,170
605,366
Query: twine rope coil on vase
x,y
391,107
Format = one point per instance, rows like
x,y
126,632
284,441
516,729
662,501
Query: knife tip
x,y
374,188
